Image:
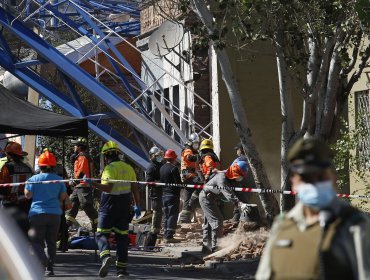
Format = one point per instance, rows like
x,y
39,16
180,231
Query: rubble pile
x,y
246,242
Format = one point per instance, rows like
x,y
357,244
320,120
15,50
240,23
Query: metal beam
x,y
86,81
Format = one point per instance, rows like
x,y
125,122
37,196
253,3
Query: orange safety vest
x,y
14,172
81,165
210,162
188,168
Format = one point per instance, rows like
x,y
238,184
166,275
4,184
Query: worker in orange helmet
x,y
15,171
45,212
210,199
169,174
209,160
190,172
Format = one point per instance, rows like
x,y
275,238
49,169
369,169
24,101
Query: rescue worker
x,y
169,173
82,195
155,193
209,160
15,171
248,182
209,199
3,158
114,210
322,237
190,175
45,212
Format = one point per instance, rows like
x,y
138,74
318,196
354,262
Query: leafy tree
x,y
321,49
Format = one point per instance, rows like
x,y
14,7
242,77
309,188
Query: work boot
x,y
49,271
214,249
122,273
171,240
185,216
151,240
206,250
106,262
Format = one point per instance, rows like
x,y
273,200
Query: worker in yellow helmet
x,y
114,209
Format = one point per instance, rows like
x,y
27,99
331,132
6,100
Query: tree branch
x,y
353,61
356,75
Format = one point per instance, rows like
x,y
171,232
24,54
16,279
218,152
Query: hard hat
x,y
155,151
206,144
237,168
15,148
110,146
80,141
194,137
170,154
310,155
47,159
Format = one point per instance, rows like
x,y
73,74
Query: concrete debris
x,y
242,244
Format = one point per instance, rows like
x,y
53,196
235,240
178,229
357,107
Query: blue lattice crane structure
x,y
102,24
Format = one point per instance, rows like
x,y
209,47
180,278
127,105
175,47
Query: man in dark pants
x,y
82,193
155,193
114,210
190,159
169,173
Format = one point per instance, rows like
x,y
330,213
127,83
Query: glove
x,y
72,183
87,180
137,211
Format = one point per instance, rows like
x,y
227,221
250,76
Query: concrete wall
x,y
256,75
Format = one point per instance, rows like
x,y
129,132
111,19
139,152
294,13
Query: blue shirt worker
x,y
45,210
114,210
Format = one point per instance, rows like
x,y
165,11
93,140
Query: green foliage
x,y
56,143
363,9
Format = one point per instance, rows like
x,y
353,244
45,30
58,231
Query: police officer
x,y
322,237
210,198
82,193
189,175
114,210
15,171
169,173
153,175
209,161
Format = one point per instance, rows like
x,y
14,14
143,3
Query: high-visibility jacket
x,y
14,172
82,167
209,162
189,163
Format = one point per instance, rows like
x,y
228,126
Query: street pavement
x,y
82,264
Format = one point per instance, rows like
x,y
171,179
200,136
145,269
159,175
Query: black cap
x,y
309,155
238,146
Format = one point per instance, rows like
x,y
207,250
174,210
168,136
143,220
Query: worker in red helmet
x,y
210,199
45,212
14,171
170,174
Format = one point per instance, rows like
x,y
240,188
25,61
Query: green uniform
x,y
296,250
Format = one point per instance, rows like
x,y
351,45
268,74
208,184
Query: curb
x,y
239,266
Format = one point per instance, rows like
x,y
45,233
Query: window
x,y
363,125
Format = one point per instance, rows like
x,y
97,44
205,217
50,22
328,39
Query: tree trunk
x,y
269,201
287,129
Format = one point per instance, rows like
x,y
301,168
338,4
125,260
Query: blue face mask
x,y
318,195
159,158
